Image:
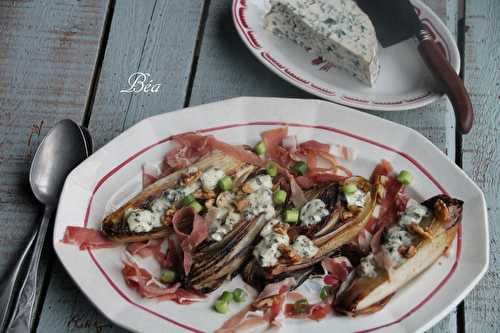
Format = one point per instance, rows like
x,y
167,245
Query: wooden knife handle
x,y
452,84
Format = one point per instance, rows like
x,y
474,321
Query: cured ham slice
x,y
273,139
235,151
152,248
86,238
141,280
190,148
186,218
297,195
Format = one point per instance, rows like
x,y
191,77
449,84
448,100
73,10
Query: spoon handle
x,y
23,309
8,286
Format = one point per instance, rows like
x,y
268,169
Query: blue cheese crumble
x,y
357,198
259,202
304,247
367,267
267,251
210,178
259,182
223,223
337,30
313,212
142,220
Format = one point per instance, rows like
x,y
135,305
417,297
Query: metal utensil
x,y
395,21
88,140
60,152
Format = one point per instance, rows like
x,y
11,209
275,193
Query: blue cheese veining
x,y
210,178
267,252
258,182
142,220
224,221
358,198
259,202
304,247
337,30
367,266
313,212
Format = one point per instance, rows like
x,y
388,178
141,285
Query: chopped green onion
x,y
300,306
291,215
260,148
169,276
220,306
324,293
405,177
227,297
196,206
279,197
226,183
300,167
349,188
187,200
239,295
272,170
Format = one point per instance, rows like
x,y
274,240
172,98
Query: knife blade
x,y
396,21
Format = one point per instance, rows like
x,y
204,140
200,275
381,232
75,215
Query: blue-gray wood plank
x,y
48,51
156,37
481,149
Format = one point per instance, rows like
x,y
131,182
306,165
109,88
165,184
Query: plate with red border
x,y
404,81
113,174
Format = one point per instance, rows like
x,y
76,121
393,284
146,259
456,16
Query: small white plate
x,y
111,175
404,82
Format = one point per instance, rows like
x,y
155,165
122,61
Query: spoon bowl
x,y
60,152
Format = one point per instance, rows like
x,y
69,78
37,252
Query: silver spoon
x,y
60,152
88,140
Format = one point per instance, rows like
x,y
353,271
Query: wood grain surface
x,y
156,37
481,149
47,54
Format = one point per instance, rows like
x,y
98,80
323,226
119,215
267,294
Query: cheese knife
x,y
396,21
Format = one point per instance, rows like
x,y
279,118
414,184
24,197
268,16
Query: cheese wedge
x,y
337,30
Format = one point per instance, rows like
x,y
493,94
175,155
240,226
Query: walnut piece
x,y
407,251
168,216
189,178
288,255
280,228
418,230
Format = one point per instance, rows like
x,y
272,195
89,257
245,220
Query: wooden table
x,y
70,59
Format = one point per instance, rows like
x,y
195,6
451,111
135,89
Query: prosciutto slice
x,y
269,303
384,168
190,148
86,238
316,311
186,219
337,267
313,145
148,287
273,138
304,182
297,195
235,151
276,288
322,175
141,280
151,248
